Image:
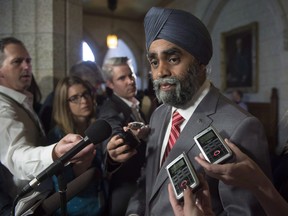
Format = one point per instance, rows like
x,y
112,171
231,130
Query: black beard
x,y
185,89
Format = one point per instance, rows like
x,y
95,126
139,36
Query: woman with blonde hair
x,y
73,112
73,105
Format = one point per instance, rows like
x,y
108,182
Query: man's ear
x,y
203,68
202,72
109,84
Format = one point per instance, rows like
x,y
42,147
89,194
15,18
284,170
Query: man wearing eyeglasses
x,y
22,152
119,110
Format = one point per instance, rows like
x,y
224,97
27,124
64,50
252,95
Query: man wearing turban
x,y
179,49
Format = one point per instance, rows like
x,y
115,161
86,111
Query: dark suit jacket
x,y
119,114
231,122
5,200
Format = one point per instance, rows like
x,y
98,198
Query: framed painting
x,y
240,58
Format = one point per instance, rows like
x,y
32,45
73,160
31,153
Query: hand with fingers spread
x,y
244,172
118,150
237,173
198,204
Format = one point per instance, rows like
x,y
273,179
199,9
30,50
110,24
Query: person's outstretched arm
x,y
244,172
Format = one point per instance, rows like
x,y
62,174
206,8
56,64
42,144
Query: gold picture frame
x,y
240,58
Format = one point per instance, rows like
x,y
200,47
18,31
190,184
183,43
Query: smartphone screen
x,y
212,146
182,174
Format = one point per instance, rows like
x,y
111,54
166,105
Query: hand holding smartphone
x,y
136,125
130,138
139,129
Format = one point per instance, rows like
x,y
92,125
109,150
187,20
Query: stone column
x,y
51,31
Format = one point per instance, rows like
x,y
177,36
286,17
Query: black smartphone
x,y
130,139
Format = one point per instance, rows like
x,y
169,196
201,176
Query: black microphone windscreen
x,y
99,131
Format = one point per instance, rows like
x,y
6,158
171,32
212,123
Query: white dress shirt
x,y
21,156
186,113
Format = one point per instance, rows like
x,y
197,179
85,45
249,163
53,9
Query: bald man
x,y
179,49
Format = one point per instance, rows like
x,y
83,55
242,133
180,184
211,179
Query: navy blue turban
x,y
180,28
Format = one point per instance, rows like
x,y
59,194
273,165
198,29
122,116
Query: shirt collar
x,y
135,102
15,95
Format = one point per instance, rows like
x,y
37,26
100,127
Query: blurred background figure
x,y
237,97
121,108
45,111
36,95
73,112
148,101
91,72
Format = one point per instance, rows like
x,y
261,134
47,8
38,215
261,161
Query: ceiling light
x,y
112,39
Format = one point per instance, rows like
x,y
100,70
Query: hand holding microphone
x,y
67,143
96,133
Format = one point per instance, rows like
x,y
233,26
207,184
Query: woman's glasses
x,y
76,99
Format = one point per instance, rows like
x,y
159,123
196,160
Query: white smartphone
x,y
212,146
182,174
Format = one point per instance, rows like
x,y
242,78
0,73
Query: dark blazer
x,y
119,114
232,122
5,200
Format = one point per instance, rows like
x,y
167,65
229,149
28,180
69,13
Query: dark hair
x,y
6,41
89,71
9,40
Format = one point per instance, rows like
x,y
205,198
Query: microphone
x,y
99,131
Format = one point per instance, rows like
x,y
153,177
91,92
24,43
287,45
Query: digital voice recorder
x,y
181,174
212,146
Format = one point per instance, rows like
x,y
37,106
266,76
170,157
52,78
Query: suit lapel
x,y
163,120
199,121
123,109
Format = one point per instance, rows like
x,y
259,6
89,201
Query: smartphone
x,y
136,125
130,139
181,173
212,146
